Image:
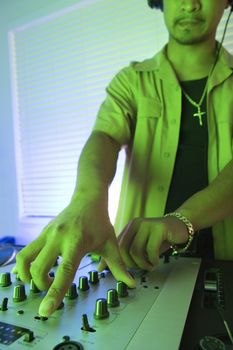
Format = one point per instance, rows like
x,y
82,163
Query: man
x,y
165,111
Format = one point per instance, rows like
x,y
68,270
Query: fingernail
x,y
46,308
14,270
132,280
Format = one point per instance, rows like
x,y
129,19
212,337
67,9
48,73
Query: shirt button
x,y
160,188
173,121
166,154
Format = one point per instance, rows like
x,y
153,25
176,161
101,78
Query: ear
x,y
228,4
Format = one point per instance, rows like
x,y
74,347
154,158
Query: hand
x,y
77,230
144,239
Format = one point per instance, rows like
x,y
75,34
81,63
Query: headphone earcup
x,y
155,4
231,4
158,4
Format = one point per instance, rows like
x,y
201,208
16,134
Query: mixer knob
x,y
33,287
122,289
72,292
101,309
112,298
3,306
94,277
5,279
28,336
83,283
69,344
19,293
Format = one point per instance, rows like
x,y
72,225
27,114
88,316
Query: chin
x,y
189,39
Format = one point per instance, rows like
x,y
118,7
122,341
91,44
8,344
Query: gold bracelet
x,y
190,229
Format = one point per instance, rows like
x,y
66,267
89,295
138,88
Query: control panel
x,y
209,324
99,312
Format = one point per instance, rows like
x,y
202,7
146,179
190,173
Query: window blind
x,y
61,64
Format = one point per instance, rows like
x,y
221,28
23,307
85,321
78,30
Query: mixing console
x,y
99,312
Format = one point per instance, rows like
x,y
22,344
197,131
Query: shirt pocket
x,y
149,108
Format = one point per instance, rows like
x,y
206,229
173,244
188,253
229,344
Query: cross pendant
x,y
199,114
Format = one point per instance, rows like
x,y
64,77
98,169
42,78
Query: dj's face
x,y
193,21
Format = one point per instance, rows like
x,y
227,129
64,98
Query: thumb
x,y
115,263
102,265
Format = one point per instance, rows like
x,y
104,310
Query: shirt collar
x,y
222,70
160,64
157,61
153,63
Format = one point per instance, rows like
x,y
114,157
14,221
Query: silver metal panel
x,y
152,314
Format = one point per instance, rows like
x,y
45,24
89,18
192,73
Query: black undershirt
x,y
190,173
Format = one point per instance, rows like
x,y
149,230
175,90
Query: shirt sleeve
x,y
116,113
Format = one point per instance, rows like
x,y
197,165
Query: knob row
x,y
121,288
102,304
19,293
5,279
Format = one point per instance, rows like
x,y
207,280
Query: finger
x,y
63,279
116,264
102,265
24,259
126,257
125,240
42,264
138,247
154,244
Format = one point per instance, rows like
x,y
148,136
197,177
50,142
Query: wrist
x,y
88,200
90,192
189,228
191,215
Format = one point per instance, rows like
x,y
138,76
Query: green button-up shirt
x,y
142,112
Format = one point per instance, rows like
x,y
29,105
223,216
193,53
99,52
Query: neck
x,y
191,62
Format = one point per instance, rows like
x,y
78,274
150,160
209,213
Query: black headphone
x,y
158,4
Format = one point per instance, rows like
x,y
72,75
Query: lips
x,y
187,20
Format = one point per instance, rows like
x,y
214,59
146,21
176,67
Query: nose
x,y
190,5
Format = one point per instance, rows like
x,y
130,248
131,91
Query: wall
x,y
11,12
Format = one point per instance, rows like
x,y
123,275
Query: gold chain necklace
x,y
199,113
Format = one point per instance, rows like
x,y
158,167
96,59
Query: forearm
x,y
214,203
97,165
